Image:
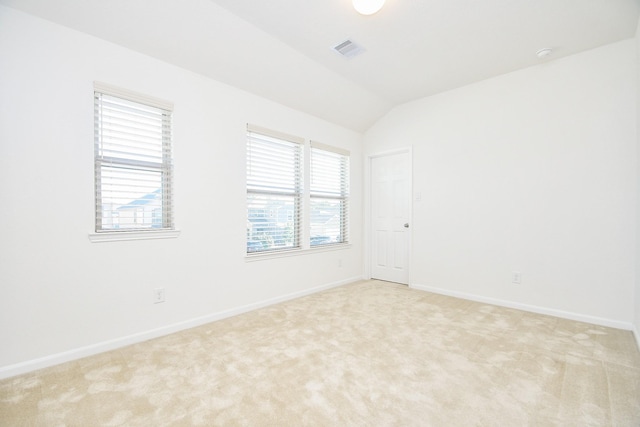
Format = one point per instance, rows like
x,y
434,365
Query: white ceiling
x,y
281,49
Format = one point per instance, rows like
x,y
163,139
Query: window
x,y
277,194
274,190
329,195
133,164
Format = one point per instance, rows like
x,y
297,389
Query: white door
x,y
390,214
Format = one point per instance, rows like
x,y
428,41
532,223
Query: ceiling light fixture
x,y
368,7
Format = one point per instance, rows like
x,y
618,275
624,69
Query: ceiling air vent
x,y
348,49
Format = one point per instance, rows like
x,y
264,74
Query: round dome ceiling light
x,y
543,53
368,7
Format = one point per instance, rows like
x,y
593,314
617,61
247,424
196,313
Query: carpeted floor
x,y
365,354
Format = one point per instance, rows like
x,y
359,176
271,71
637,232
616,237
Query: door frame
x,y
368,222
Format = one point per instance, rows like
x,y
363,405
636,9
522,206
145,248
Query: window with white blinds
x,y
274,190
133,161
297,193
329,195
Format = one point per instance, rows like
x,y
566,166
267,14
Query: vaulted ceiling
x,y
282,49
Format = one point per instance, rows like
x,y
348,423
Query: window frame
x,y
276,187
121,164
342,195
304,212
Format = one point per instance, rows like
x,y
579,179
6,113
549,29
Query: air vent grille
x,y
348,49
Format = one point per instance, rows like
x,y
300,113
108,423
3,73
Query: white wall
x,y
60,295
531,172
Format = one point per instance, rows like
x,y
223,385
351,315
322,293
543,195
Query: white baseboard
x,y
90,350
531,308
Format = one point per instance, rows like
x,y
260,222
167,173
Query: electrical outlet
x,y
158,295
340,262
516,278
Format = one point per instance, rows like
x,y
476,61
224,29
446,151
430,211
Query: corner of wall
x,y
636,320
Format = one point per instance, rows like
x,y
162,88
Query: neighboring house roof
x,y
143,201
324,217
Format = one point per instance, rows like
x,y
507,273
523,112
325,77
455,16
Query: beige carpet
x,y
365,354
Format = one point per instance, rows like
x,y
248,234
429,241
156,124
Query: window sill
x,y
259,256
119,236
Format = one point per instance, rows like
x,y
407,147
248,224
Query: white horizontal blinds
x,y
133,165
274,189
329,195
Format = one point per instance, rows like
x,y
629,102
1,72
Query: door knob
x,y
406,225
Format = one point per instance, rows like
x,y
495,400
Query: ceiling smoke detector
x,y
543,53
348,49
